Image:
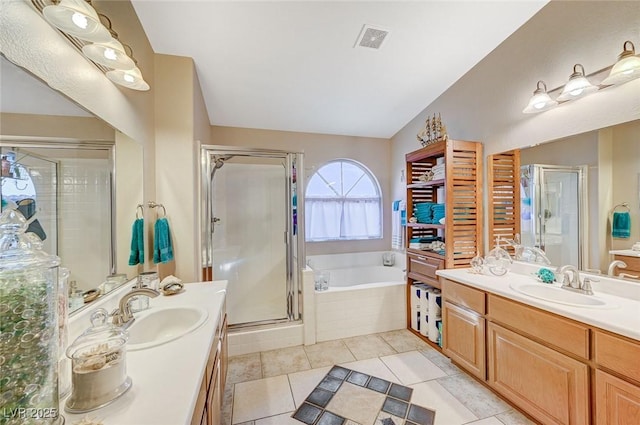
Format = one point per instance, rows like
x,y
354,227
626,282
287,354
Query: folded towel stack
x,y
438,172
438,212
423,212
425,243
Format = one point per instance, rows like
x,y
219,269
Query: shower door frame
x,y
293,250
539,180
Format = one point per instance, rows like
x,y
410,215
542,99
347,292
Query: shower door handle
x,y
215,220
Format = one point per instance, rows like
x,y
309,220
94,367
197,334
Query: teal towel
x,y
621,226
162,249
137,243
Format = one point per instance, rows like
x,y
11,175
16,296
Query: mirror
x,y
569,191
72,175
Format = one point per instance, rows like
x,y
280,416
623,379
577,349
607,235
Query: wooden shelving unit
x,y
462,192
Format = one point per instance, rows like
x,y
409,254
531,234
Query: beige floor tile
x,y
442,361
491,420
368,346
227,404
449,410
356,403
261,398
480,400
412,367
302,383
328,353
403,340
244,368
514,417
284,419
284,361
374,367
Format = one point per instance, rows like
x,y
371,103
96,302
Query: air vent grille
x,y
371,37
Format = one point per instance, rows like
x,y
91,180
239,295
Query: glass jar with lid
x,y
29,327
98,365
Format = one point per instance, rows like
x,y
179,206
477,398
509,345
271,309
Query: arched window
x,y
343,201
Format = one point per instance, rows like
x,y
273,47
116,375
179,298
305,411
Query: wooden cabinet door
x,y
617,401
463,333
550,386
214,402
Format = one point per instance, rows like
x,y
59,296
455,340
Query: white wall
x,y
486,103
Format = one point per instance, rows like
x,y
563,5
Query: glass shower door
x,y
249,211
552,211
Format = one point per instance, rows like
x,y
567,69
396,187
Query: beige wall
x,y
318,149
626,177
486,103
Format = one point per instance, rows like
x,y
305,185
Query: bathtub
x,y
364,297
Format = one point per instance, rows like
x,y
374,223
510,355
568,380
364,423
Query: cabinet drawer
x,y
563,333
424,265
633,264
617,354
463,295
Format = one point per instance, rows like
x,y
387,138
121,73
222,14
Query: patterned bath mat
x,y
347,397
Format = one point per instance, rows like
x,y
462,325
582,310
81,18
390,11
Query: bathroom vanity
x,y
177,380
559,362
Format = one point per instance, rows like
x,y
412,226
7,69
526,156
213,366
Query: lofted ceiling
x,y
292,65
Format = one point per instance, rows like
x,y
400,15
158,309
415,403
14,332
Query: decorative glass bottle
x,y
28,328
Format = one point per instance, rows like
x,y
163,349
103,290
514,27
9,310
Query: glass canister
x,y
28,327
98,365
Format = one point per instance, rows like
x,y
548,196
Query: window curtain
x,y
345,218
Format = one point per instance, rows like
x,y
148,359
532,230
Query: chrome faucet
x,y
122,316
574,284
612,267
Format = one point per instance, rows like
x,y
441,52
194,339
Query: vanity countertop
x,y
623,319
625,252
166,379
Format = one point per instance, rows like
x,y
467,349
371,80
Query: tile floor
x,y
267,388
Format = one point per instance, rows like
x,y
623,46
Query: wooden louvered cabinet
x,y
460,190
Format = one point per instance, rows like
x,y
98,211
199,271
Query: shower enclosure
x,y
553,200
250,232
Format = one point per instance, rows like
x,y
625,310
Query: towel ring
x,y
623,205
139,208
154,205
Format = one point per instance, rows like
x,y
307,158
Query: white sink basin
x,y
558,295
159,326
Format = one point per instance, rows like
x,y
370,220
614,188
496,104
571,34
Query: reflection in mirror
x,y
569,190
66,171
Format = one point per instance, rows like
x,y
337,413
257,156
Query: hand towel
x,y
397,229
621,225
137,243
162,249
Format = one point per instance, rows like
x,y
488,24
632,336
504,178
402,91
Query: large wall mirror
x,y
569,190
77,180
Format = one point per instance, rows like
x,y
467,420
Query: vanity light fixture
x,y
130,78
110,54
77,18
627,68
540,101
577,86
84,27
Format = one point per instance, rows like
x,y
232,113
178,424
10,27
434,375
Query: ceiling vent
x,y
371,37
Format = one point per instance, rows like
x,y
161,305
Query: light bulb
x,y
128,78
110,54
539,105
576,92
80,20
